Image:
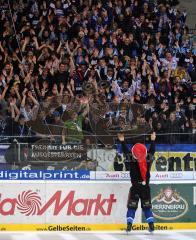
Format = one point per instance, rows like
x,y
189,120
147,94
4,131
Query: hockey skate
x,y
151,227
129,227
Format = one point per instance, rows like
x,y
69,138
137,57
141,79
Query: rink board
x,y
90,206
94,227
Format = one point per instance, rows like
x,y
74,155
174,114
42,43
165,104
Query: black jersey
x,y
134,169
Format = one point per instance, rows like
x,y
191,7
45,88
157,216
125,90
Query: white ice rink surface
x,y
136,235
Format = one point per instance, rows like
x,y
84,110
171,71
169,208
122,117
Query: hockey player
x,y
140,164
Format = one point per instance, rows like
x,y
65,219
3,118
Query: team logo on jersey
x,y
169,205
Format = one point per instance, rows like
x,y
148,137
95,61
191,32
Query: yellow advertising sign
x,y
93,227
174,161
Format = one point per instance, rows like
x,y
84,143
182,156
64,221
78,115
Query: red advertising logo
x,y
30,203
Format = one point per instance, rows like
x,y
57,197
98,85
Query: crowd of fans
x,y
59,59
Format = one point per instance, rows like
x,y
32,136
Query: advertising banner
x,y
57,152
110,160
155,176
174,176
174,161
174,203
112,175
104,157
42,156
47,156
30,174
44,175
80,204
90,206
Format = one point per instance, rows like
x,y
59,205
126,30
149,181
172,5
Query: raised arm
x,y
121,139
151,150
116,89
30,95
4,92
